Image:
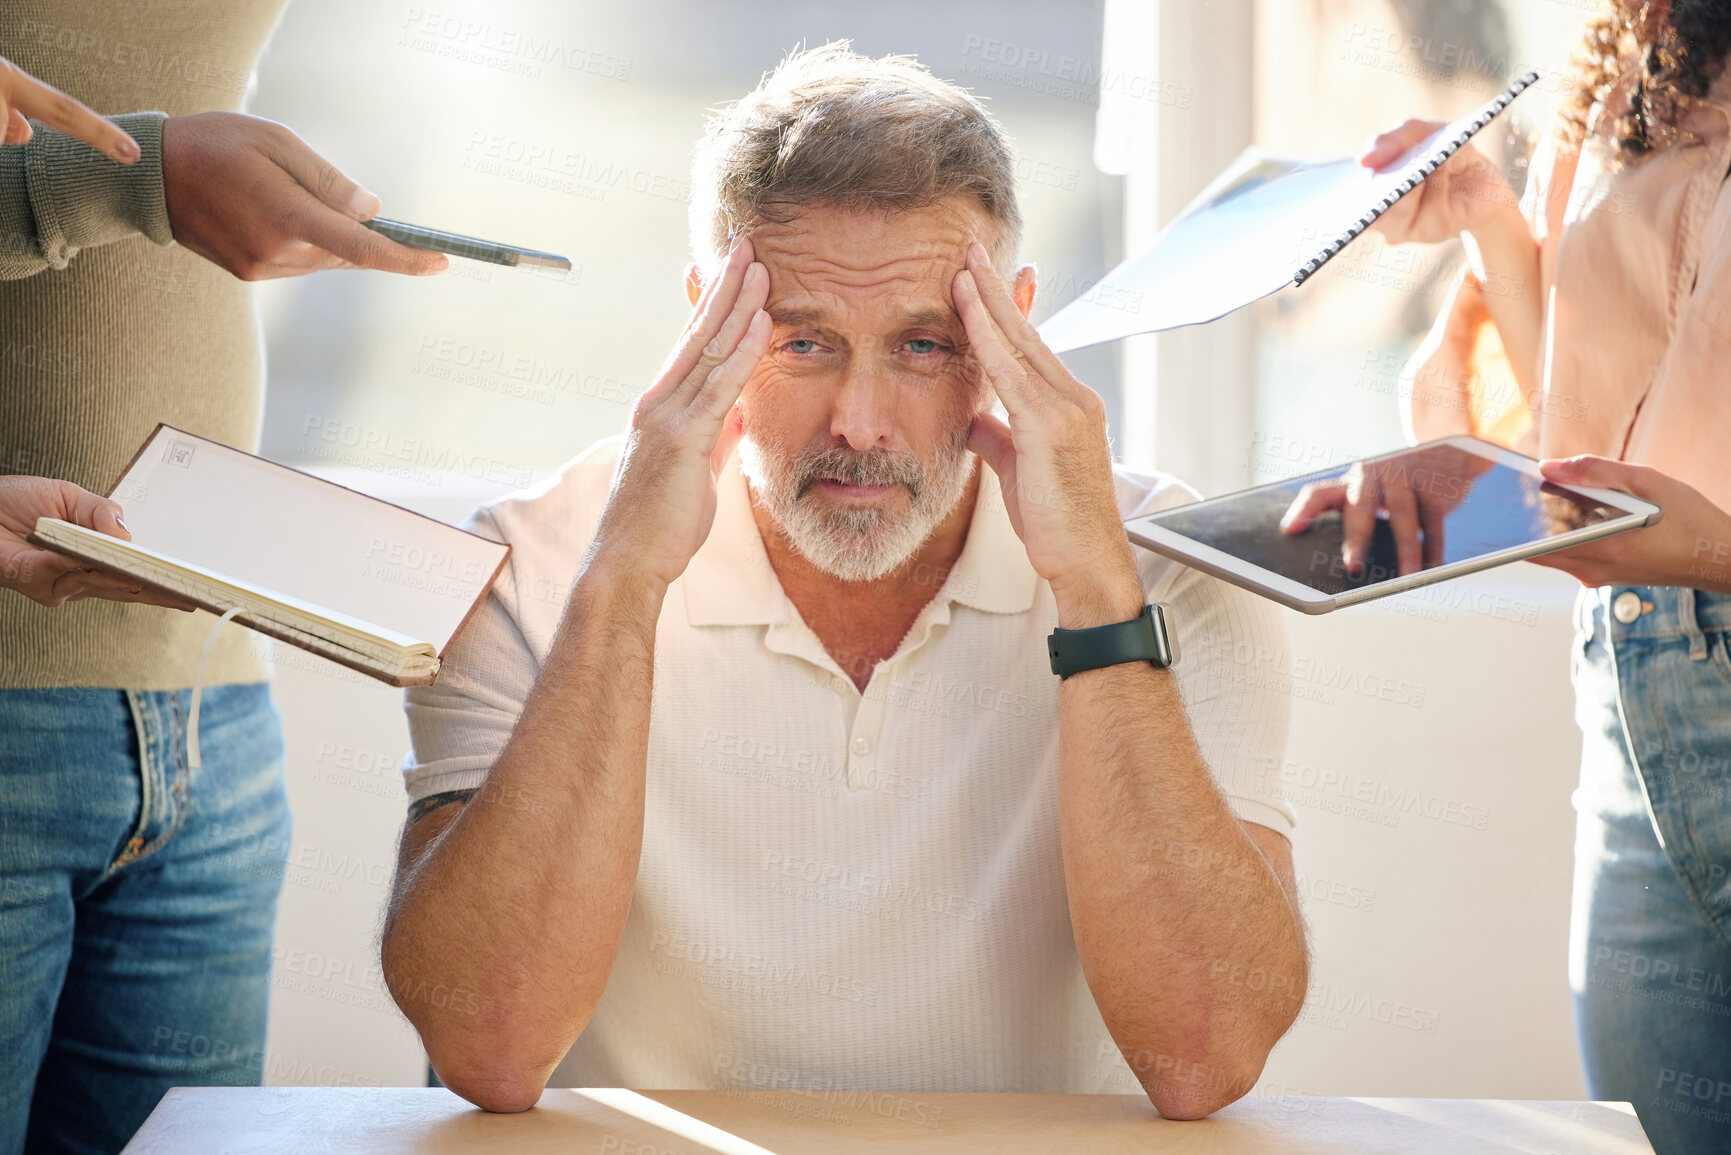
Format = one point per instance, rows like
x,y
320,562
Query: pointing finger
x,y
1403,519
1314,500
1358,518
58,111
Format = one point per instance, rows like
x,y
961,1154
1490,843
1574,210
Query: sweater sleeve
x,y
58,195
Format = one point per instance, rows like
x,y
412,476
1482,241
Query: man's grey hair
x,y
834,128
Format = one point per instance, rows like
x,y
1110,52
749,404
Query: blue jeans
x,y
137,903
1650,934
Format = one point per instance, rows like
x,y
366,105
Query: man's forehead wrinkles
x,y
872,269
804,309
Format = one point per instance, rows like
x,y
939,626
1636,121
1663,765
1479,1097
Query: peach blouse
x,y
1636,264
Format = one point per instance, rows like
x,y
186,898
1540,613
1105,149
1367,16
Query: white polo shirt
x,y
842,890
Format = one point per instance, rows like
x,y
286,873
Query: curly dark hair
x,y
1676,51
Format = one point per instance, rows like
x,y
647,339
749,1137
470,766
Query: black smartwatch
x,y
1141,639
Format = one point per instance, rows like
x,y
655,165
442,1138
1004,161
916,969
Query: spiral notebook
x,y
1265,223
367,584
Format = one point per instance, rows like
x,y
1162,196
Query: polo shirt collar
x,y
729,581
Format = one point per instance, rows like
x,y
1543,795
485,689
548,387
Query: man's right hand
x,y
682,430
249,195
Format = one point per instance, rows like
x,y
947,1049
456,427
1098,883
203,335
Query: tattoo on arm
x,y
420,808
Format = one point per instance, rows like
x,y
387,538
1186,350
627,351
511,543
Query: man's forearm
x,y
521,901
1173,905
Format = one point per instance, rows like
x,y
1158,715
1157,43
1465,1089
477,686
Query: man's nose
x,y
864,411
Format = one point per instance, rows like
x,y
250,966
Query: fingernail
x,y
126,150
121,522
363,203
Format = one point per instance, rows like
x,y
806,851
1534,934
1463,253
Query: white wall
x,y
1432,756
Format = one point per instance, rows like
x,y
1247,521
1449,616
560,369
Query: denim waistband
x,y
1675,612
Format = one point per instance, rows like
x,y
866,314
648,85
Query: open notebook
x,y
1264,223
343,575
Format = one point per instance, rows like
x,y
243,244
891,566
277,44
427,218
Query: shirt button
x,y
861,747
1626,607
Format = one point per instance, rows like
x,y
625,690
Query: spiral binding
x,y
1486,114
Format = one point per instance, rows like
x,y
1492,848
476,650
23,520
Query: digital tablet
x,y
1473,505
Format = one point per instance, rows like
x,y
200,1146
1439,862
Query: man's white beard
x,y
856,543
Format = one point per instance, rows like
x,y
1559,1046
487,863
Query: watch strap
x,y
1144,638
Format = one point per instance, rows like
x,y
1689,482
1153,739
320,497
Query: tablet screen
x,y
1467,506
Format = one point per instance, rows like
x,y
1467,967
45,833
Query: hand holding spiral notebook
x,y
1263,224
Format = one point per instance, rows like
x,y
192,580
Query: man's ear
x,y
1022,289
693,283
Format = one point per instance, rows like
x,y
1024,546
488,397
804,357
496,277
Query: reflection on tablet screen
x,y
1467,506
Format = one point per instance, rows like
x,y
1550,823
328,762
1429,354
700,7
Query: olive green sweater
x,y
106,326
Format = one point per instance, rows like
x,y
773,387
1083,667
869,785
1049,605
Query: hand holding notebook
x,y
1264,223
335,572
53,579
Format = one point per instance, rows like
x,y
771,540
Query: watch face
x,y
1163,635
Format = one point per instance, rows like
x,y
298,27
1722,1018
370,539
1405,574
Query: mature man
x,y
784,791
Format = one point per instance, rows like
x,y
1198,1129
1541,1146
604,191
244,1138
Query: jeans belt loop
x,y
1691,627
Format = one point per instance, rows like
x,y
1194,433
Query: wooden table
x,y
384,1120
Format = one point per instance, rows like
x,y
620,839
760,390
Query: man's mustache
x,y
851,467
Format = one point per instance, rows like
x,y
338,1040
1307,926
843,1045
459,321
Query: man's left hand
x,y
1053,461
1690,546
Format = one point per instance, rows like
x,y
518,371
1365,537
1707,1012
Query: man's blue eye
x,y
922,345
802,345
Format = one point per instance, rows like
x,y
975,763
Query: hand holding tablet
x,y
1388,524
